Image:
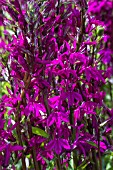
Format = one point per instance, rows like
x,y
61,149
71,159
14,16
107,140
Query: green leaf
x,y
50,164
92,144
40,132
100,31
83,165
70,167
2,32
71,163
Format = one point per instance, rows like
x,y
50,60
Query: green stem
x,y
58,7
71,116
17,118
58,163
46,101
95,166
100,160
75,160
110,89
36,164
27,80
82,30
18,130
73,131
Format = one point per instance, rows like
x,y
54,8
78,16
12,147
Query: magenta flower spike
x,y
56,81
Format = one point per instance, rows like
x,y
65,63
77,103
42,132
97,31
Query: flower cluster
x,y
56,58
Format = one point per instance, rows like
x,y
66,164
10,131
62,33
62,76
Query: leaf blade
x,y
40,132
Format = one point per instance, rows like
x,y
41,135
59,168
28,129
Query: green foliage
x,y
92,144
83,165
40,132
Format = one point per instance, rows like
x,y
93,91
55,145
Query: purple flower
x,y
58,145
58,118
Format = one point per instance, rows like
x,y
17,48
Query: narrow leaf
x,y
40,132
92,143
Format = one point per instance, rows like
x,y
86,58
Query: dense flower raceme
x,y
56,59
